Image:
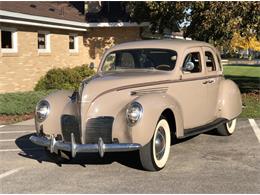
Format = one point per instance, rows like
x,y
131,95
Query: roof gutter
x,y
12,21
27,19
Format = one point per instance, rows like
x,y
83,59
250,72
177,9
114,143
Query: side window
x,y
127,60
210,62
192,63
109,63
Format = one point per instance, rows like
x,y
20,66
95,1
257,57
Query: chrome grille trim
x,y
70,124
100,127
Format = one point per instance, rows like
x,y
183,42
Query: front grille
x,y
70,124
99,127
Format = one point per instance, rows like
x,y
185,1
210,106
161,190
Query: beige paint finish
x,y
191,94
143,131
213,87
192,102
59,104
230,103
153,104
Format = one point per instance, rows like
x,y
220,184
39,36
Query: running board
x,y
203,128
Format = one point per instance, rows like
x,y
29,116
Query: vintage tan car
x,y
145,94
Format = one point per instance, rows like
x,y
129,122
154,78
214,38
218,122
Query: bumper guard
x,y
55,145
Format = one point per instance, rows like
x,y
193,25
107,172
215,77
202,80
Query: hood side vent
x,y
148,91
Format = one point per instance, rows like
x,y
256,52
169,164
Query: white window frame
x,y
76,43
48,42
14,40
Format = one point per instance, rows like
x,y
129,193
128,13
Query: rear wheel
x,y
154,155
227,128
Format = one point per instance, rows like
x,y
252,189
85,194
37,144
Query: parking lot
x,y
206,163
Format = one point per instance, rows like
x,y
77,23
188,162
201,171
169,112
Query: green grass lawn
x,y
247,78
242,70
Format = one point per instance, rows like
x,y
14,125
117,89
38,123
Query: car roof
x,y
172,44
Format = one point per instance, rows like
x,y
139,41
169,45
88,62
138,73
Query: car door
x,y
213,73
191,91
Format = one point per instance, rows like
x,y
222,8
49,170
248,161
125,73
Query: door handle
x,y
208,81
211,81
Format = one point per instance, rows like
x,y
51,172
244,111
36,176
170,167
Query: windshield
x,y
159,59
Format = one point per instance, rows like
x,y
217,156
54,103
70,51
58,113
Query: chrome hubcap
x,y
160,143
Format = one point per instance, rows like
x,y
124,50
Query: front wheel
x,y
227,128
154,155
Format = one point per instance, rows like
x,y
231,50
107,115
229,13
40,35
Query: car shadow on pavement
x,y
213,132
32,151
129,159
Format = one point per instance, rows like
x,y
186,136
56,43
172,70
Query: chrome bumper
x,y
74,148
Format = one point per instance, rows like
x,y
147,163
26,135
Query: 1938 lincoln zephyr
x,y
145,93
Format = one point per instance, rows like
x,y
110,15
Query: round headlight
x,y
42,110
134,113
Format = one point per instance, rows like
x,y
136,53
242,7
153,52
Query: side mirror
x,y
91,65
189,66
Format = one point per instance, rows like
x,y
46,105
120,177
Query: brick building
x,y
38,36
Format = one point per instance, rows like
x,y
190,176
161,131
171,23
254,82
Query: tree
x,y
162,15
213,21
216,22
250,42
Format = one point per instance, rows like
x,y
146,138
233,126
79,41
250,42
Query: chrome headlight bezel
x,y
134,113
42,110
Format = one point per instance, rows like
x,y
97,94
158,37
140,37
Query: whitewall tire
x,y
227,128
154,155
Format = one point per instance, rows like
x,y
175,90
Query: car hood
x,y
110,81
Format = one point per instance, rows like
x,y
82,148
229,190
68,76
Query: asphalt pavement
x,y
206,163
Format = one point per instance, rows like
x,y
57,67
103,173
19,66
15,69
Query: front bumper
x,y
55,145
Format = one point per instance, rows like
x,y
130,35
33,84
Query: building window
x,y
41,41
73,43
8,40
44,41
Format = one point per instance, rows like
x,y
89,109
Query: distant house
x,y
38,36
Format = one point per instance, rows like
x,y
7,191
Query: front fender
x,y
60,104
153,106
230,103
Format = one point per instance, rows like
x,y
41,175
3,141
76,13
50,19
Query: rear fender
x,y
230,103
